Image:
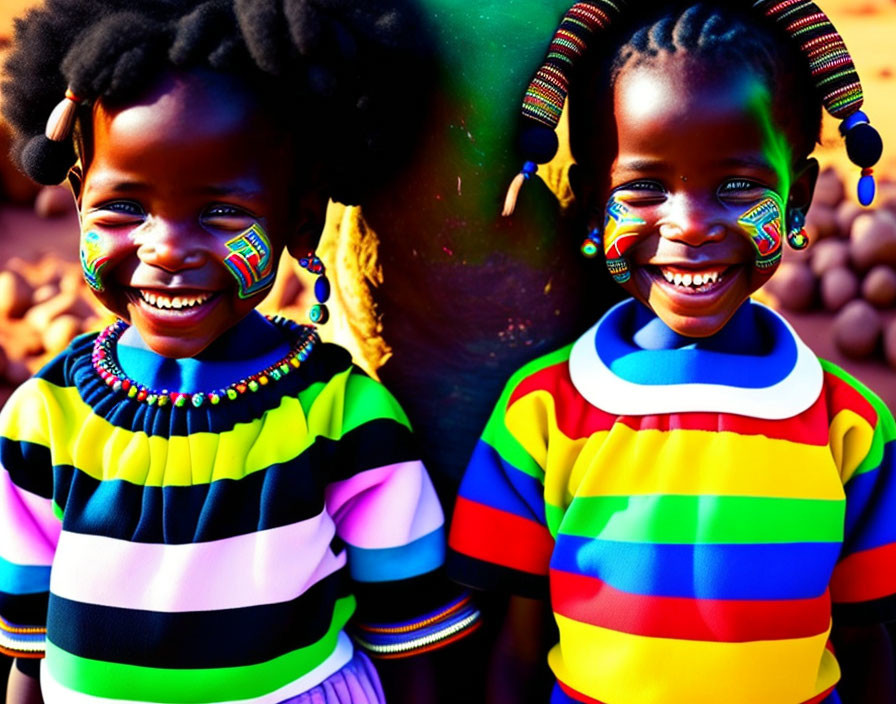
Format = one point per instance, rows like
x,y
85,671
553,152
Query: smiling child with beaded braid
x,y
708,507
215,492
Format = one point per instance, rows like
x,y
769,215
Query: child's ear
x,y
803,187
308,222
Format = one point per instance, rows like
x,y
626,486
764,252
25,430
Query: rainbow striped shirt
x,y
695,535
211,554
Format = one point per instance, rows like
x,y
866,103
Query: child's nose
x,y
171,246
691,222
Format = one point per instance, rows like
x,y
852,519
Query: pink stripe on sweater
x,y
29,530
385,507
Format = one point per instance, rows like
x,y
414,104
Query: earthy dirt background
x,y
42,250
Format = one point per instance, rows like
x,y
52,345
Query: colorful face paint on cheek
x,y
764,225
621,230
250,261
94,257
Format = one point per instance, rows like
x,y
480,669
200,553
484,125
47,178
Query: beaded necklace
x,y
304,338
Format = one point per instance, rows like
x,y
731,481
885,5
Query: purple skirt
x,y
356,683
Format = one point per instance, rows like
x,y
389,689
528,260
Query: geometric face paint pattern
x,y
764,224
621,230
94,257
250,261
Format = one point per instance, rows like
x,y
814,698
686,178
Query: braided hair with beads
x,y
795,29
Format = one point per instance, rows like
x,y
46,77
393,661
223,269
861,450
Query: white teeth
x,y
704,278
176,302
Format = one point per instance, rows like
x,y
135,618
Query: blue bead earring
x,y
319,314
593,243
796,230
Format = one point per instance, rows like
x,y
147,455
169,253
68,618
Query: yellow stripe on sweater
x,y
619,667
625,462
104,451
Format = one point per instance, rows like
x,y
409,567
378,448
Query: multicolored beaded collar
x,y
304,338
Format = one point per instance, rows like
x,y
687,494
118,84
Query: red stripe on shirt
x,y
841,395
576,418
585,699
592,601
499,537
578,696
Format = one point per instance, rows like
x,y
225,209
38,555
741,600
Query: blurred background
x,y
840,293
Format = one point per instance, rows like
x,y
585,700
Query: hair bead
x,y
513,192
539,142
61,120
47,157
864,145
46,161
543,102
866,187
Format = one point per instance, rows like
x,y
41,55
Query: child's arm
x,y
390,520
863,584
865,655
29,533
500,540
22,688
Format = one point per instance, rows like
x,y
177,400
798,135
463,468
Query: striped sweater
x,y
695,515
212,554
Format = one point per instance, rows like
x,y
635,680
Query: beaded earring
x,y
593,244
832,71
618,268
319,314
796,229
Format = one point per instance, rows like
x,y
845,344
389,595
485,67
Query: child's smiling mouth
x,y
707,279
177,303
695,280
164,301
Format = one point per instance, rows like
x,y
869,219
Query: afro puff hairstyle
x,y
337,71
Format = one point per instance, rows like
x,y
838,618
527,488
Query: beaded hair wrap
x,y
831,67
543,102
836,79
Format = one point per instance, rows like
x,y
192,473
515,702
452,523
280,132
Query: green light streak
x,y
775,146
